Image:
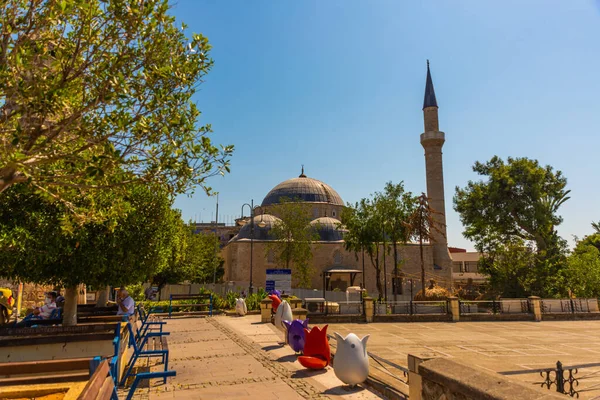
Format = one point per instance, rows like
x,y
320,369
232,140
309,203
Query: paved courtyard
x,y
492,346
240,358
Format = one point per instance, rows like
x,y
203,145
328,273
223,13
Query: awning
x,y
338,270
342,270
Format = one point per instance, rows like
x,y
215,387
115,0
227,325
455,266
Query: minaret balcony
x,y
433,137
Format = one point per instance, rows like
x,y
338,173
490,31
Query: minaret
x,y
432,141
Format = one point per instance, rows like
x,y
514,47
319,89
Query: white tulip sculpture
x,y
240,307
351,362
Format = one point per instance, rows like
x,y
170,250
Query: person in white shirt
x,y
125,303
43,312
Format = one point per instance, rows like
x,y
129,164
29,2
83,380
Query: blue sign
x,y
279,272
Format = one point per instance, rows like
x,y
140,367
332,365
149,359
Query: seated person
x,y
42,312
125,303
60,300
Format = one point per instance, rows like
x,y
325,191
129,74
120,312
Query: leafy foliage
x,y
293,238
396,207
384,218
35,248
520,199
512,217
97,94
424,225
582,275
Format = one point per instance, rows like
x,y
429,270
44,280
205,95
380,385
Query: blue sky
x,y
338,86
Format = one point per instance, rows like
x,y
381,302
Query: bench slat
x,y
48,378
106,389
190,296
38,367
95,383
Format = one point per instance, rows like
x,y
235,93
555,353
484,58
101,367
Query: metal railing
x,y
411,307
502,306
335,308
573,306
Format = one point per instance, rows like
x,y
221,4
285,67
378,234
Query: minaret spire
x,y
430,100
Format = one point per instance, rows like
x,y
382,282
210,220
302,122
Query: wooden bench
x,y
101,385
47,371
197,297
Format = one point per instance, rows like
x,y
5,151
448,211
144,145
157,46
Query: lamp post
x,y
261,224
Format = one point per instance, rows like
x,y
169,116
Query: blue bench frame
x,y
144,316
138,351
97,361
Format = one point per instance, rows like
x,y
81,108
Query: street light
x,y
261,224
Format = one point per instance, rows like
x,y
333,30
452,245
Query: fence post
x,y
560,378
266,305
536,309
369,308
411,307
454,308
415,382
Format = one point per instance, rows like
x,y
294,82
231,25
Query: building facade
x,y
247,258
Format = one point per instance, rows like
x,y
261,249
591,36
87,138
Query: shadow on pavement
x,y
307,373
343,389
273,347
288,358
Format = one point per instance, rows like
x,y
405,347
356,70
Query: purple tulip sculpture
x,y
295,334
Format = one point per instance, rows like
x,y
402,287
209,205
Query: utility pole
x,y
216,242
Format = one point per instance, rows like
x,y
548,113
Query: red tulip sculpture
x,y
276,302
317,354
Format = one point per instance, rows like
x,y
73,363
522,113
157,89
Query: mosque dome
x,y
304,189
260,233
328,228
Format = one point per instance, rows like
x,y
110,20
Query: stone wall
x,y
441,378
33,295
327,255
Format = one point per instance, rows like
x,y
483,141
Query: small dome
x,y
329,229
304,189
259,233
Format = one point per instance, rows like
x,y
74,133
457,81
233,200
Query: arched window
x,y
337,257
271,257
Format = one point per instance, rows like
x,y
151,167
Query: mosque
x,y
246,257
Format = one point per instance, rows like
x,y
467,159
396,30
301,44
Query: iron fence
x,y
334,307
411,307
502,306
573,306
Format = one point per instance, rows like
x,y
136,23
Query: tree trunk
x,y
103,297
396,283
422,267
70,308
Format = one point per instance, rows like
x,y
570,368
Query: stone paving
x,y
491,346
240,358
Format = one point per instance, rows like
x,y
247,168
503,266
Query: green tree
x,y
194,259
423,225
293,238
511,268
582,274
98,95
36,247
396,206
519,201
596,226
364,226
